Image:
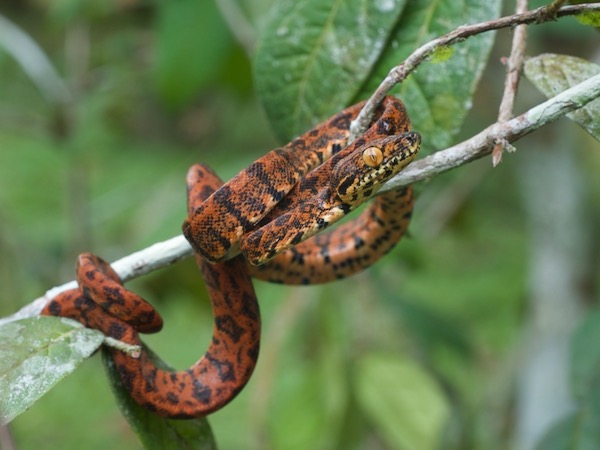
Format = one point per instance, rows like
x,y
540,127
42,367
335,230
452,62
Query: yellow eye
x,y
372,156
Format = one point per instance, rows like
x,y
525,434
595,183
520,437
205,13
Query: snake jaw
x,y
356,178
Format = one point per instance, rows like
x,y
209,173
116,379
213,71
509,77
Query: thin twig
x,y
166,253
400,72
514,64
134,351
551,9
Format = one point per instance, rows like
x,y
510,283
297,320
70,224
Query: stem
x,y
514,64
482,143
157,256
132,350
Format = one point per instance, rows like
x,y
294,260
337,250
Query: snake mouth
x,y
403,149
406,151
414,140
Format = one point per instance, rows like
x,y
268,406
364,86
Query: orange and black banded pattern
x,y
270,231
269,211
101,302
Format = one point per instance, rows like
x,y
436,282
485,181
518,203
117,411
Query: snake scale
x,y
266,212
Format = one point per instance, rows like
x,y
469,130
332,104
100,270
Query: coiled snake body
x,y
101,302
267,212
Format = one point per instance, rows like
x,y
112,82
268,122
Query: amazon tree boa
x,y
265,215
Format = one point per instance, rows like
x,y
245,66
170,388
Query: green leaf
x,y
156,432
401,401
35,354
552,74
314,55
585,356
438,95
193,42
578,431
590,18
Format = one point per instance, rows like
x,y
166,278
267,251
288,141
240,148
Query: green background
x,y
162,85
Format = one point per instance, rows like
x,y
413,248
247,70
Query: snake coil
x,y
297,191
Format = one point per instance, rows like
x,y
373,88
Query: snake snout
x,y
413,139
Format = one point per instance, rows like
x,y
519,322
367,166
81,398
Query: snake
x,y
297,191
101,302
269,210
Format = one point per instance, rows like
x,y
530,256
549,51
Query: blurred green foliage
x,y
160,85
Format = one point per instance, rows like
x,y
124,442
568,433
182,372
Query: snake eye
x,y
372,156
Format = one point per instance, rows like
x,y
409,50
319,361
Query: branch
x,y
399,73
481,144
514,64
157,256
168,252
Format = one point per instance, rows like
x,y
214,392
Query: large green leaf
x,y
156,432
401,400
552,74
314,55
310,64
438,95
35,354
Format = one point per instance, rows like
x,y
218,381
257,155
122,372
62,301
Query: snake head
x,y
359,175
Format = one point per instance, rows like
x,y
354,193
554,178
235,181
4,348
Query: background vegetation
x,y
429,346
